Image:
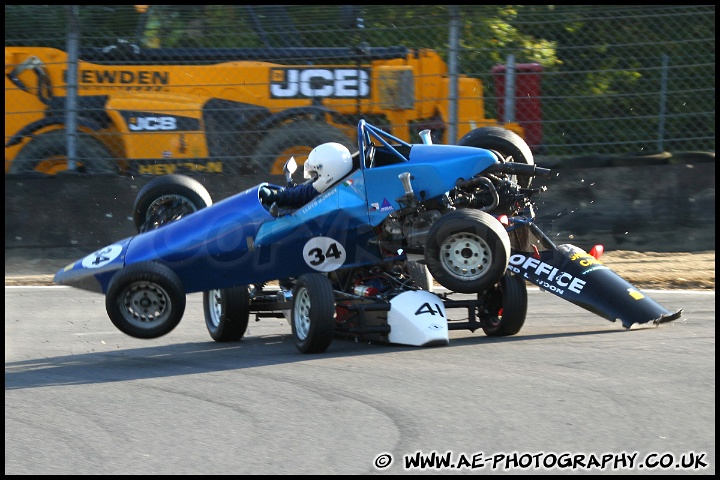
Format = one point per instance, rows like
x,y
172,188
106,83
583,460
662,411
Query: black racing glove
x,y
267,195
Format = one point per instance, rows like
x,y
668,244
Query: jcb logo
x,y
319,82
151,124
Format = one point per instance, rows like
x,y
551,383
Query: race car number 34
x,y
324,254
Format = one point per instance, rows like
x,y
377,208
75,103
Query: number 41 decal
x,y
427,308
324,254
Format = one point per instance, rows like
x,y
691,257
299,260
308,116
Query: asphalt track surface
x,y
83,398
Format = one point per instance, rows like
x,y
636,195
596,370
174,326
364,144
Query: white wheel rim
x,y
215,307
145,304
465,256
301,314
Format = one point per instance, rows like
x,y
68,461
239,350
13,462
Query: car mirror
x,y
289,168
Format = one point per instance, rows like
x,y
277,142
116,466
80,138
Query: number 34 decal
x,y
102,257
324,254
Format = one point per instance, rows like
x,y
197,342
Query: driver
x,y
326,164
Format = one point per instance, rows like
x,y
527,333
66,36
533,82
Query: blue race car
x,y
360,258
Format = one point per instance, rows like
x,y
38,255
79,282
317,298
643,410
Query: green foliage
x,y
614,78
47,25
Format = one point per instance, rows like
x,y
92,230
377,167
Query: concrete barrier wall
x,y
659,208
640,207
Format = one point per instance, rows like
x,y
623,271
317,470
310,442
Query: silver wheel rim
x,y
215,307
465,256
145,304
301,314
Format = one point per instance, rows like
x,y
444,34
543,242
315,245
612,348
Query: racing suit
x,y
295,196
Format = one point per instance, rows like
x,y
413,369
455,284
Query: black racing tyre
x,y
296,139
420,275
313,313
507,304
503,141
467,251
145,300
47,153
168,198
227,312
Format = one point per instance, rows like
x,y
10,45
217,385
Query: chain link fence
x,y
217,88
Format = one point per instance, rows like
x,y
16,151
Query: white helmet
x,y
328,163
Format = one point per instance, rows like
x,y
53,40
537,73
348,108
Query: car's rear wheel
x,y
227,312
507,143
168,198
313,313
507,305
145,300
467,251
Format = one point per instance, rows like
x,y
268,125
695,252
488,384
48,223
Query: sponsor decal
x,y
151,124
318,200
586,260
386,206
635,294
133,80
544,275
149,167
155,122
314,82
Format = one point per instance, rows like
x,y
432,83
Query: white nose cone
x,y
418,318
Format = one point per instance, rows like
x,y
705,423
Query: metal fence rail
x,y
214,88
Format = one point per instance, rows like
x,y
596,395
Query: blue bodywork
x,y
237,241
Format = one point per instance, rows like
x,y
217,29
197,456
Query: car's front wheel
x,y
227,312
313,313
467,251
145,300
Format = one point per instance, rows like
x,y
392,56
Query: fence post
x,y
663,101
510,90
453,41
72,85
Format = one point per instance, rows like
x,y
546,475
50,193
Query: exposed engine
x,y
363,304
497,194
377,281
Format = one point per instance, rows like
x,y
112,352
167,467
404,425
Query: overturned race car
x,y
358,260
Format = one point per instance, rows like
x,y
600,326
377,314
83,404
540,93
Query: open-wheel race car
x,y
360,259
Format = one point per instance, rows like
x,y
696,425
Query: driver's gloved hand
x,y
267,195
